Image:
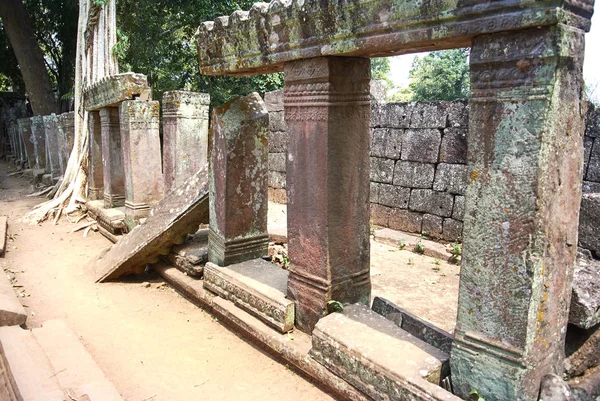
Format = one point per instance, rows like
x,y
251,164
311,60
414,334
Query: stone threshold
x,y
294,348
111,222
393,238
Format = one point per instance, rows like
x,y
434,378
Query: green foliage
x,y
456,251
474,396
419,247
157,39
334,306
10,75
440,75
401,245
402,95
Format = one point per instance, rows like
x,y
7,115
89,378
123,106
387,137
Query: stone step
x,y
379,358
256,286
50,364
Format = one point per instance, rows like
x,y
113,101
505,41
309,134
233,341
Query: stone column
x,y
67,126
522,205
238,182
25,133
53,145
144,184
185,135
112,162
327,110
96,170
38,139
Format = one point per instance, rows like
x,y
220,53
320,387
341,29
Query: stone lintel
x,y
185,104
263,39
257,286
377,357
111,91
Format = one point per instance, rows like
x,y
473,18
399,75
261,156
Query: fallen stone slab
x,y
377,357
257,286
585,299
12,312
587,387
3,233
179,213
582,350
191,256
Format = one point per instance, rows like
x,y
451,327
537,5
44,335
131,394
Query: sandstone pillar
x,y
67,126
185,135
239,181
25,133
327,110
38,138
96,171
144,185
52,131
522,206
112,162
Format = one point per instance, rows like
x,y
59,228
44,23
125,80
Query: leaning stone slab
x,y
257,286
111,91
11,310
170,220
585,298
377,357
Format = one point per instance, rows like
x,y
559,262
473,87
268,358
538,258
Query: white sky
x,y
400,65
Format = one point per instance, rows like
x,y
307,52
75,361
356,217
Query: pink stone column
x,y
144,184
327,110
112,162
185,135
96,170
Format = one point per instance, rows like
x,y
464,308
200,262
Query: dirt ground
x,y
155,345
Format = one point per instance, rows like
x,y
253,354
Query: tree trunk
x,y
31,60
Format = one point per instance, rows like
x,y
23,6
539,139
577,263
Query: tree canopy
x,y
440,75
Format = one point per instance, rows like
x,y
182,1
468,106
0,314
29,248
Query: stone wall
x,y
12,107
419,164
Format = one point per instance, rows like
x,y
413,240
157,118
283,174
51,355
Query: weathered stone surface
x,y
277,162
170,220
25,133
554,388
277,180
521,211
588,143
451,178
593,122
458,114
582,349
432,226
585,299
140,136
110,221
593,168
414,325
191,256
38,139
328,183
458,213
393,196
421,145
277,121
379,358
589,222
53,145
382,170
239,192
432,202
257,286
277,195
378,91
374,193
391,115
380,215
591,187
453,230
113,171
112,90
12,312
414,174
386,142
274,101
185,135
428,115
454,146
278,142
405,220
95,163
67,125
259,41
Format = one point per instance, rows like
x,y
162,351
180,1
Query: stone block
x,y
454,146
432,202
377,357
414,174
432,226
590,187
191,256
256,286
582,348
593,122
277,180
53,145
593,169
112,90
380,215
378,91
405,220
458,114
375,190
452,230
278,142
421,145
277,162
451,178
277,121
588,143
278,195
458,213
391,115
382,170
274,101
589,223
38,138
428,115
394,196
386,143
12,312
585,299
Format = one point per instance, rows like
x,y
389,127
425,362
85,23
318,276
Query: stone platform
x,y
377,357
256,286
111,222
